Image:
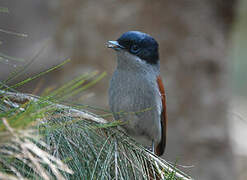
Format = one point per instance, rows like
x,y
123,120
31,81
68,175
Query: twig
x,y
20,98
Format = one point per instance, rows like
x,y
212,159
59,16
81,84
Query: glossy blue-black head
x,y
140,44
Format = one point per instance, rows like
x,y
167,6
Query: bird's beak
x,y
114,45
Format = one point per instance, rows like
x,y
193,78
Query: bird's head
x,y
136,48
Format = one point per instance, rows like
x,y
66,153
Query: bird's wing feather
x,y
160,148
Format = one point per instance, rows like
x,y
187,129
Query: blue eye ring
x,y
134,49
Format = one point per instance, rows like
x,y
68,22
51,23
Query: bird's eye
x,y
134,49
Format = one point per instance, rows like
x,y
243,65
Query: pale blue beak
x,y
114,45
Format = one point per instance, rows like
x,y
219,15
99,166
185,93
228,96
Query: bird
x,y
136,93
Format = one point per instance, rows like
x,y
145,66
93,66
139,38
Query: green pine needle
x,y
69,143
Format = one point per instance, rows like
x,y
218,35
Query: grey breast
x,y
135,99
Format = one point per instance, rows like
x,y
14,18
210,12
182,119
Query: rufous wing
x,y
160,148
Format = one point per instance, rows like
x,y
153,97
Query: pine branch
x,y
91,146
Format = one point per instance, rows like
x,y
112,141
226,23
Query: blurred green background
x,y
239,53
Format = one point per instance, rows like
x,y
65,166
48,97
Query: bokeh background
x,y
203,65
